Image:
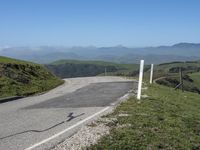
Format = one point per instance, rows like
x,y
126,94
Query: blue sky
x,y
99,22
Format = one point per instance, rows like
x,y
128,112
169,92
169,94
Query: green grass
x,y
191,70
167,119
21,78
167,66
196,78
191,83
164,69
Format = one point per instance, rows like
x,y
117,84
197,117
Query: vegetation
x,y
166,119
75,68
168,74
21,78
172,69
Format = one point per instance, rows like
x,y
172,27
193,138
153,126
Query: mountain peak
x,y
186,45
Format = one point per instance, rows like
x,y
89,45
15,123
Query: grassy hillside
x,y
75,68
166,119
21,78
168,74
173,67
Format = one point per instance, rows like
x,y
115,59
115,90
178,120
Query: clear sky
x,y
99,22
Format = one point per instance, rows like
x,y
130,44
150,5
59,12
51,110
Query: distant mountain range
x,y
118,54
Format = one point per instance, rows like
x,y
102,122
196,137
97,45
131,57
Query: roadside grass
x,y
166,119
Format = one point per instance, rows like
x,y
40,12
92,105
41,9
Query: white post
x,y
140,79
151,74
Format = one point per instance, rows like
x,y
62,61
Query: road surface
x,y
40,122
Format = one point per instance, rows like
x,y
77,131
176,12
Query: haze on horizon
x,y
99,23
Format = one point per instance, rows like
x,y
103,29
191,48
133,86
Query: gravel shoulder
x,y
90,133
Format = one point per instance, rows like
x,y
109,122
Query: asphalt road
x,y
40,122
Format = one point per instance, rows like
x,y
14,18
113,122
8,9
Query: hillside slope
x,y
75,68
168,74
21,78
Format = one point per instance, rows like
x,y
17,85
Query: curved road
x,y
40,122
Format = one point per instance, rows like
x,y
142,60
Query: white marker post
x,y
140,79
151,74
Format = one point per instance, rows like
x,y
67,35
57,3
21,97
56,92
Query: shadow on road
x,y
70,117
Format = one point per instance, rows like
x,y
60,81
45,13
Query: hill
x,y
21,78
117,54
75,68
168,74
